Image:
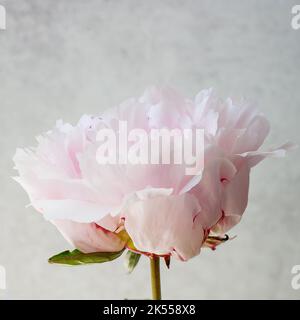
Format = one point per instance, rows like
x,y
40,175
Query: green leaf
x,y
77,257
131,260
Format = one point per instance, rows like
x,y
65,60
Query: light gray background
x,y
60,59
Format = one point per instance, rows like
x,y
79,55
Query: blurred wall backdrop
x,y
60,59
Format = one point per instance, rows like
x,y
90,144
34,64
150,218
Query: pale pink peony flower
x,y
163,211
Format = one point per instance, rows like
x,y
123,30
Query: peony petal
x,y
56,189
209,190
165,225
75,210
234,200
253,158
87,237
235,196
168,109
254,135
110,222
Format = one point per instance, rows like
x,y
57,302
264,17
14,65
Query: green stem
x,y
155,278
